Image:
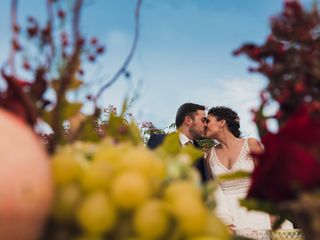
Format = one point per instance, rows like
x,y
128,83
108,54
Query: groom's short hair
x,y
187,109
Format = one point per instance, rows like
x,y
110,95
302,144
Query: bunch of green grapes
x,y
121,191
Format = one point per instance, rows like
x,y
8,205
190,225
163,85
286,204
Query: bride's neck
x,y
227,140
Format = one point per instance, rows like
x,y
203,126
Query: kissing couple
x,y
231,153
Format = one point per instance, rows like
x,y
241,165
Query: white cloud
x,y
241,95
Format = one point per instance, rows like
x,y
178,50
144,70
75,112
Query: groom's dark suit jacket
x,y
156,139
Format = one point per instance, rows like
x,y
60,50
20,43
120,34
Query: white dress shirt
x,y
184,139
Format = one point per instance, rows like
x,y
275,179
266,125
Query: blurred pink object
x,y
26,187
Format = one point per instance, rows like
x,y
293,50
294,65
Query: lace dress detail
x,y
230,192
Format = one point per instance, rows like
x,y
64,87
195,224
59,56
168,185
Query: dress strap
x,y
245,150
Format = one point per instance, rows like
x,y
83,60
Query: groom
x,y
191,123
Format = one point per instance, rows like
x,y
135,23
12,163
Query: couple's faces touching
x,y
205,126
199,124
214,126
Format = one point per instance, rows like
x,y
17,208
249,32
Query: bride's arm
x,y
255,148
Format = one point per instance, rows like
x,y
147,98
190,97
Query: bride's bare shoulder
x,y
255,146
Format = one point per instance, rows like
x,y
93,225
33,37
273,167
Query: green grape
x,y
146,162
182,189
216,228
152,220
191,215
96,176
66,166
67,198
142,160
96,214
130,189
110,153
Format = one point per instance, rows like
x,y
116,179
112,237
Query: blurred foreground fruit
x,y
152,220
118,190
129,190
25,180
96,214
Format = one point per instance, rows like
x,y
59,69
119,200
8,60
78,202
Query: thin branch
x,y
70,70
50,25
129,57
76,20
14,41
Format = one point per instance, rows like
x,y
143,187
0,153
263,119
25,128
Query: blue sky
x,y
183,55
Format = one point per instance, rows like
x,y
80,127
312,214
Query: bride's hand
x,y
231,228
273,219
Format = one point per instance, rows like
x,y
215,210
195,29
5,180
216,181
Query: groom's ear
x,y
188,120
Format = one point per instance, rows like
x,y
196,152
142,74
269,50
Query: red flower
x,y
291,161
61,14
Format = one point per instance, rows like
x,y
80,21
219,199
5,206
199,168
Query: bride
x,y
232,154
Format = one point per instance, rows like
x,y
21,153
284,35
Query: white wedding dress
x,y
229,192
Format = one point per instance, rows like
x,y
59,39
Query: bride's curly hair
x,y
231,117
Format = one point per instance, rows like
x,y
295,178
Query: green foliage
x,y
87,130
206,144
234,175
258,205
70,109
171,143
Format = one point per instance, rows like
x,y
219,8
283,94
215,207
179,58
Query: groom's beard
x,y
196,135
